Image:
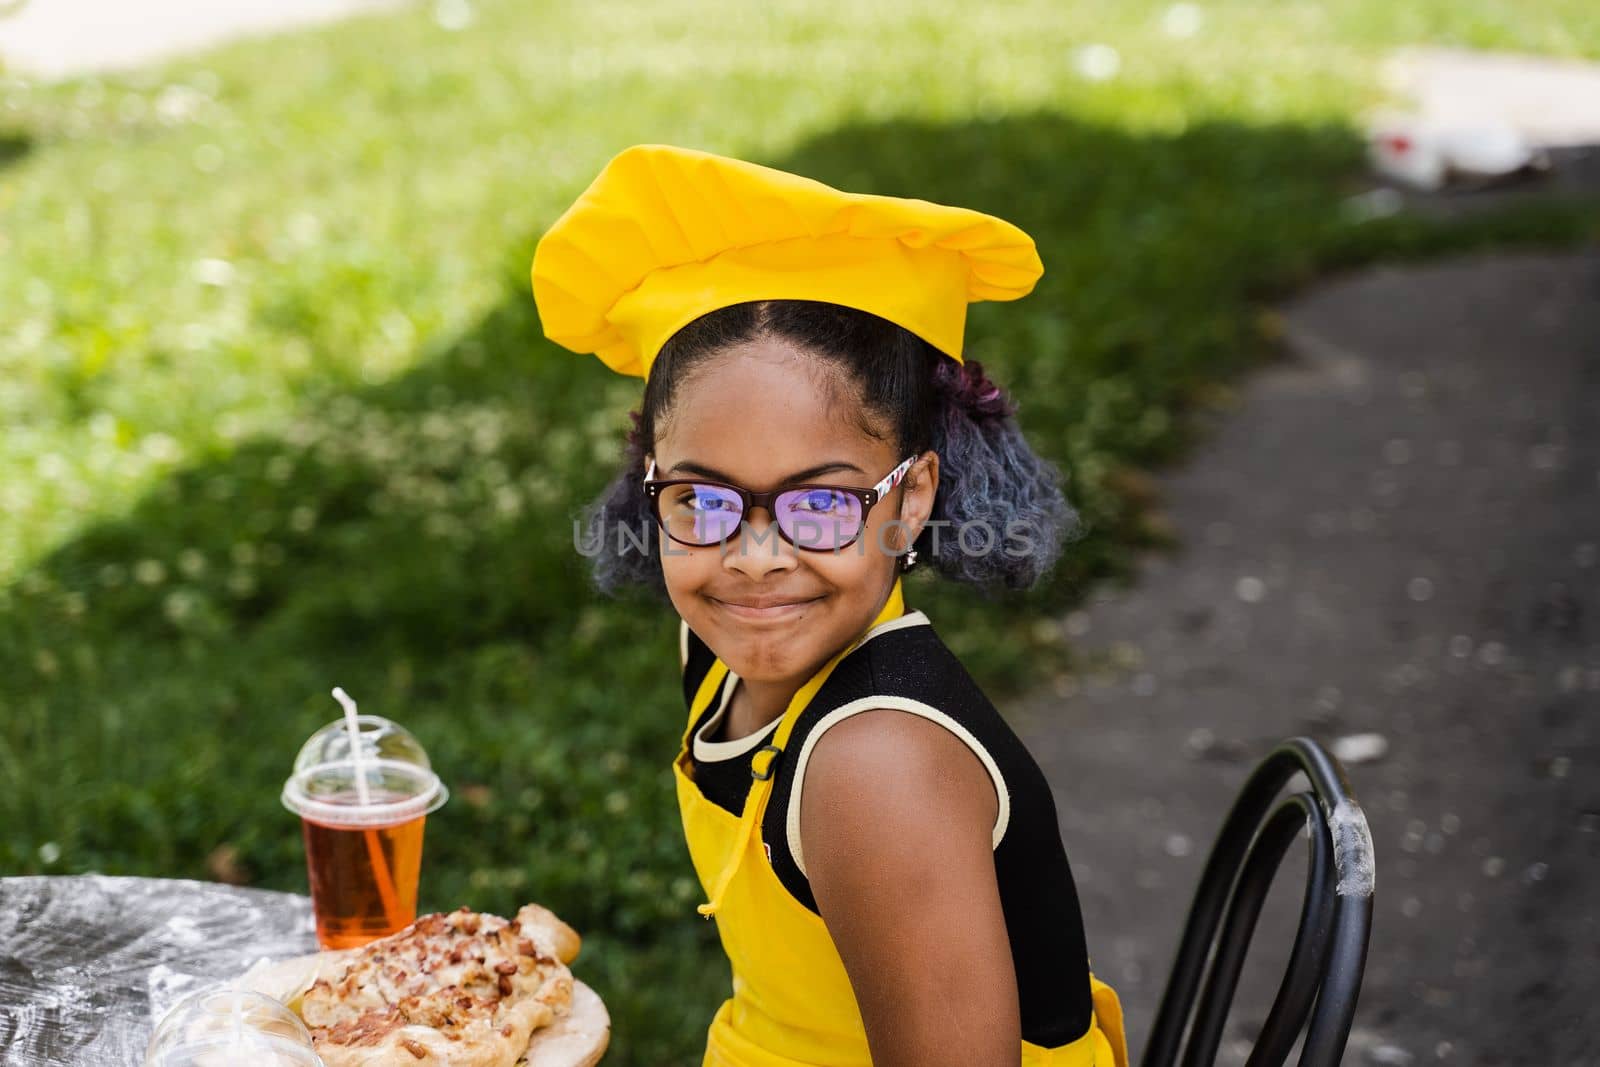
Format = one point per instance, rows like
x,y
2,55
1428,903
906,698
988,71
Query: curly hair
x,y
990,479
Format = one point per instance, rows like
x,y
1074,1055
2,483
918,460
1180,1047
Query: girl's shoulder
x,y
909,670
905,661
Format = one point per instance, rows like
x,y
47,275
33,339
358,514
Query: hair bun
x,y
969,389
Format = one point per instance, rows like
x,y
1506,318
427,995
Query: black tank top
x,y
905,664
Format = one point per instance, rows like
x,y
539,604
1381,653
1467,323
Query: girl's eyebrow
x,y
689,466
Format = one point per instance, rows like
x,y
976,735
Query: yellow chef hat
x,y
665,234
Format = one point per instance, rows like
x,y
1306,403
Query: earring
x,y
909,560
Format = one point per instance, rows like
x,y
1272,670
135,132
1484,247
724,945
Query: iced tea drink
x,y
363,879
363,807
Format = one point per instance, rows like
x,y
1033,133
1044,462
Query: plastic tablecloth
x,y
88,963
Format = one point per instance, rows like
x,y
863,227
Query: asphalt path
x,y
1391,543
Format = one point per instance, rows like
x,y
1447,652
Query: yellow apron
x,y
792,1003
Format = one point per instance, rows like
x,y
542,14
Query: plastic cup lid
x,y
400,781
226,1025
326,793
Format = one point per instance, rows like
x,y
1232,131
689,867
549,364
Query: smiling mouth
x,y
775,611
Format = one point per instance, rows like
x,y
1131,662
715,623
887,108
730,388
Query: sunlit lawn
x,y
277,413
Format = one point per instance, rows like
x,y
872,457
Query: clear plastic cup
x,y
229,1027
363,859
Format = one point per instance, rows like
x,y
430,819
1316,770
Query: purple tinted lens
x,y
819,518
700,514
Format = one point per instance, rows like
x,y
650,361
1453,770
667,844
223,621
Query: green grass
x,y
278,414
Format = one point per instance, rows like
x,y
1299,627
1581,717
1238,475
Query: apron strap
x,y
1108,1017
761,770
763,762
704,695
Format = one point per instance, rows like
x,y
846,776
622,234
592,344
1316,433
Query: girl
x,y
880,851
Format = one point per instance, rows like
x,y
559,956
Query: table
x,y
89,962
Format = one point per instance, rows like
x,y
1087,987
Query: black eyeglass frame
x,y
749,499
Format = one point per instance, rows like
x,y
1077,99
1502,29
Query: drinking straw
x,y
380,866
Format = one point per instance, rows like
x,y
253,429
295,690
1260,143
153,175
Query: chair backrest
x,y
1323,978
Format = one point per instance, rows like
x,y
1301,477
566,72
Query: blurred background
x,y
1316,348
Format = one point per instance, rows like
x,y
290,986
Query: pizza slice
x,y
463,988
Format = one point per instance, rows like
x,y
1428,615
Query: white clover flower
x,y
213,272
1181,20
1097,62
453,15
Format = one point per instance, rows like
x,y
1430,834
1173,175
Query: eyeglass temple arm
x,y
892,479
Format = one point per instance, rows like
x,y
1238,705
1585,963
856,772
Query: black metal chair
x,y
1325,966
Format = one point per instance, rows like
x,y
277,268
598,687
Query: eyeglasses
x,y
820,518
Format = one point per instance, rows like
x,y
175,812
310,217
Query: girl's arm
x,y
896,823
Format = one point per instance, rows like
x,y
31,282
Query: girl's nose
x,y
758,549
